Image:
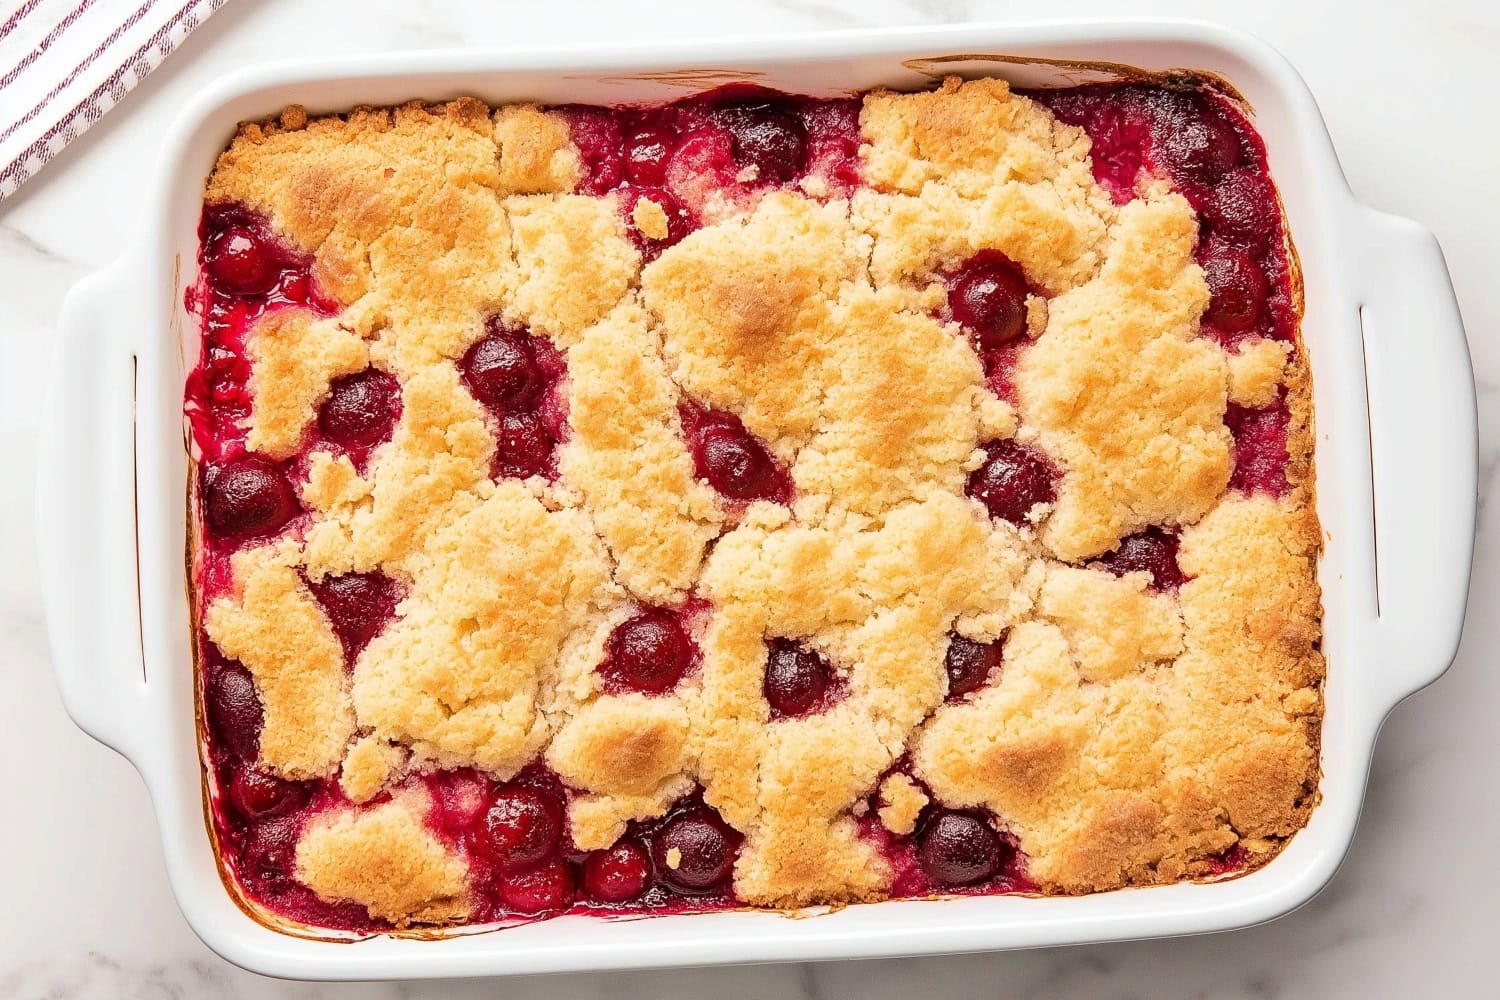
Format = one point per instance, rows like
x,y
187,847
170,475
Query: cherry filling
x,y
269,851
970,664
522,827
988,296
1238,290
647,149
959,848
1189,138
1151,551
595,133
502,373
548,886
798,681
736,140
361,410
694,852
235,714
247,497
769,140
731,459
244,272
1259,448
515,375
1237,210
359,607
648,653
618,874
238,261
1013,480
257,795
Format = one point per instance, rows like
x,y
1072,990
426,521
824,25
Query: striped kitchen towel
x,y
64,63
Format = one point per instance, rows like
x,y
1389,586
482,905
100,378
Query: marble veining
x,y
85,911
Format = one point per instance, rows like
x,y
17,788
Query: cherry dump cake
x,y
751,501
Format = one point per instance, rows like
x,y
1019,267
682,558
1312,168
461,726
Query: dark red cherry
x,y
988,296
1013,480
595,133
358,605
247,496
548,886
269,853
522,827
1241,209
1259,448
956,848
969,664
735,463
618,874
694,851
523,447
1192,141
796,679
361,409
239,262
648,653
462,798
770,140
258,795
235,714
647,150
501,372
1151,551
1238,289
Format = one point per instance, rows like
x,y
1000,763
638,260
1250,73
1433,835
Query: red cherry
x,y
1012,480
970,664
258,795
269,853
548,886
796,679
732,460
988,296
647,150
619,873
359,606
648,653
1241,209
239,262
1191,139
956,848
1151,551
1259,448
1237,286
247,496
523,447
522,827
596,135
235,714
361,409
772,141
694,851
501,372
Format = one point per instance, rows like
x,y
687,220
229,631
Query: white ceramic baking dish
x,y
1396,464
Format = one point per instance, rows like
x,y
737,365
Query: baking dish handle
x,y
1424,443
85,515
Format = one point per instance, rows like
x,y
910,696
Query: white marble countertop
x,y
1408,90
